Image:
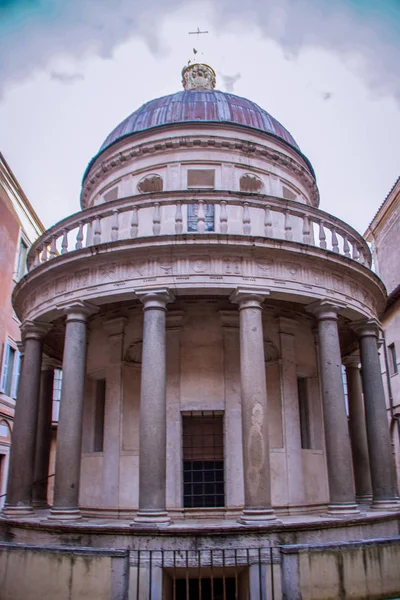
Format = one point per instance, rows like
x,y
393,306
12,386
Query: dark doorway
x,y
206,589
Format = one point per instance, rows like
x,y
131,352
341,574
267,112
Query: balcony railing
x,y
179,213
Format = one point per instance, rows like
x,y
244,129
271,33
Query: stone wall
x,y
364,570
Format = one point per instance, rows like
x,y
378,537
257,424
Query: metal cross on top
x,y
198,32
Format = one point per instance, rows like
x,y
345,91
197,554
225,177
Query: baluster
x,y
114,226
97,231
44,253
53,247
134,222
156,219
79,237
288,226
178,218
246,219
355,255
306,230
346,246
36,262
223,218
335,243
361,257
322,235
64,243
268,221
201,217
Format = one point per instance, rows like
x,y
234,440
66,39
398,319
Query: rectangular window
x,y
393,366
201,178
10,371
304,413
203,460
21,259
192,213
99,406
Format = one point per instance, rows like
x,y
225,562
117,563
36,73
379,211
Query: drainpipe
x,y
394,417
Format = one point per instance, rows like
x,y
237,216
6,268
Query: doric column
x,y
256,460
358,433
152,437
20,478
69,433
43,434
337,439
380,452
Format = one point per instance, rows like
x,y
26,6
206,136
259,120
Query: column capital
x,y
115,326
35,330
175,319
251,297
366,328
229,318
156,298
78,311
324,309
352,361
49,364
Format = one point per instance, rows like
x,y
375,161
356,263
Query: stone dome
x,y
194,105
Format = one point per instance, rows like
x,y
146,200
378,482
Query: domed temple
x,y
202,308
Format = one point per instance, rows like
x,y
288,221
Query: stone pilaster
x,y
69,434
20,478
113,410
380,452
337,439
256,459
152,442
358,433
234,490
174,484
43,434
292,430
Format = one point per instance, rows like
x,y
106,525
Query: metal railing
x,y
165,213
206,574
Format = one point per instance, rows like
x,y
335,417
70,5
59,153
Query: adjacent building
x,y
383,234
202,307
19,228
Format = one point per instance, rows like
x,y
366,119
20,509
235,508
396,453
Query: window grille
x,y
203,460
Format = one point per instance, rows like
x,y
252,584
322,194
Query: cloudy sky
x,y
71,70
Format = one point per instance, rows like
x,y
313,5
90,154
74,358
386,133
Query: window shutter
x,y
15,377
4,370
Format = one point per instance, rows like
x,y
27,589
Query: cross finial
x,y
198,32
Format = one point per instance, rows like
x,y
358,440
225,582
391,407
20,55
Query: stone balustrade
x,y
213,213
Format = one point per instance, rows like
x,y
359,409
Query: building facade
x,y
383,235
19,227
202,306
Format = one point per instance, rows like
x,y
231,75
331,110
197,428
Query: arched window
x,y
251,183
150,183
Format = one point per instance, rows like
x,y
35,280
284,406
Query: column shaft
x,y
43,436
256,460
69,434
358,433
380,451
152,440
337,439
20,479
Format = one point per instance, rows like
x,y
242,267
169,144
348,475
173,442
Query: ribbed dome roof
x,y
208,106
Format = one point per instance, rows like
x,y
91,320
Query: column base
x,y
65,514
151,517
258,516
12,512
364,499
385,505
343,510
